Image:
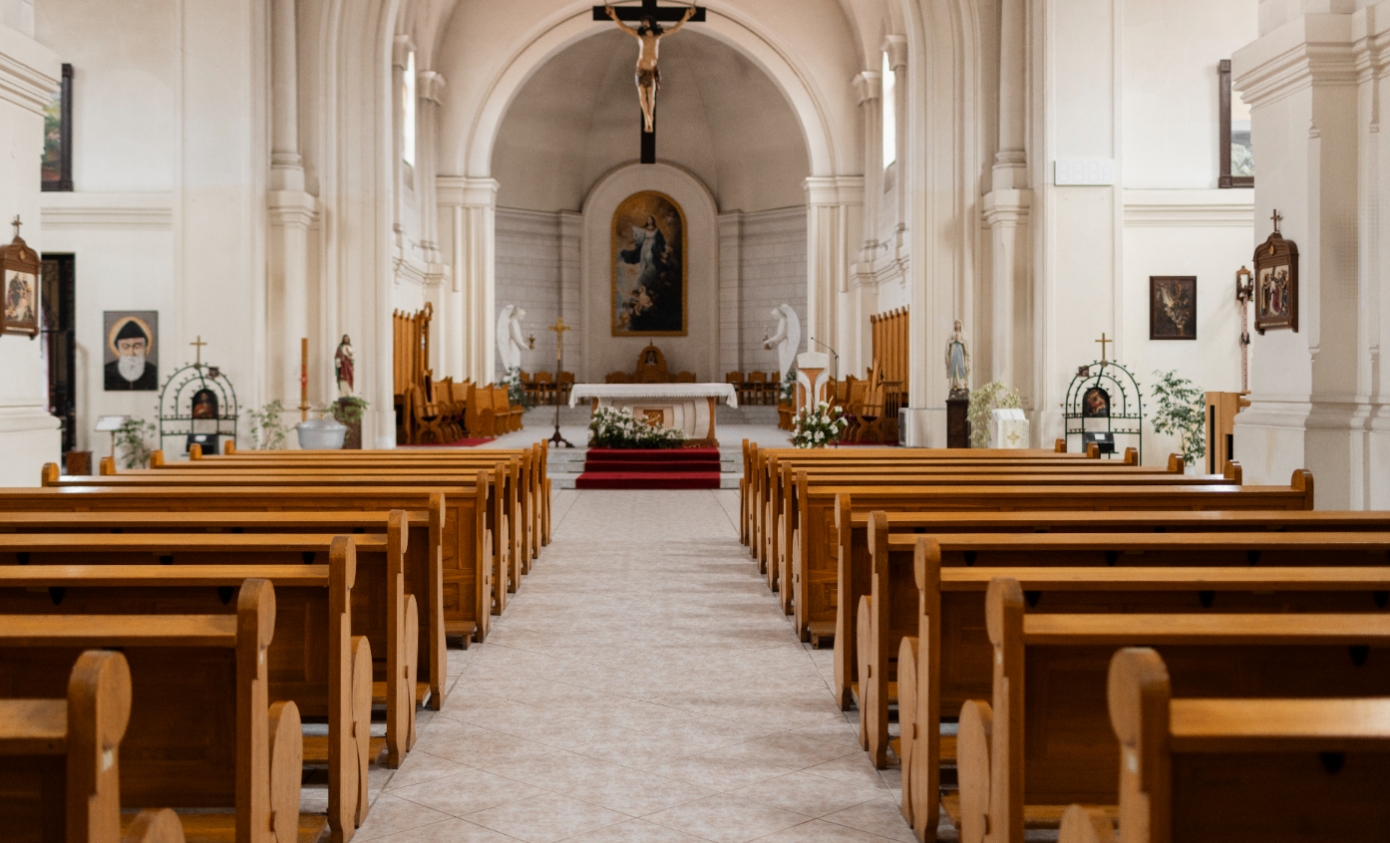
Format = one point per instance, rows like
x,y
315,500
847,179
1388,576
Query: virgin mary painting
x,y
649,277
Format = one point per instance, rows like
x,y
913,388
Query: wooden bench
x,y
203,733
1208,770
315,661
467,595
418,548
961,667
60,762
825,510
503,510
783,548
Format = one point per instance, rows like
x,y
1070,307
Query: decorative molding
x,y
430,87
868,85
834,190
1231,208
107,210
896,48
1308,50
1006,207
465,191
29,71
292,207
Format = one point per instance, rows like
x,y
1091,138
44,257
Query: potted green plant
x,y
1182,412
268,427
984,401
130,443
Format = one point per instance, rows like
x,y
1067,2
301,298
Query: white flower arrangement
x,y
816,427
613,427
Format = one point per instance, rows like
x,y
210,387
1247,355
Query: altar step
x,y
674,468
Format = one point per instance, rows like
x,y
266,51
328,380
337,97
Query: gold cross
x,y
199,346
1277,219
559,328
16,225
1103,341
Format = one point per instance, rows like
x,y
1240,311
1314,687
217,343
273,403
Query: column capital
x,y
465,191
868,85
430,86
401,47
834,190
1308,51
896,48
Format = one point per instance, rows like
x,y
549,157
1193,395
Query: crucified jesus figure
x,y
648,35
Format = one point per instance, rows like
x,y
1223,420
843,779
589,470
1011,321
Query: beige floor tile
x,y
808,794
556,771
447,831
463,793
390,815
479,747
635,831
719,771
546,818
636,792
725,818
420,766
818,831
881,816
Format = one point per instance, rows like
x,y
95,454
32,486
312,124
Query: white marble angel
x,y
511,341
787,339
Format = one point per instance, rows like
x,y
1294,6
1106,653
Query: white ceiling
x,y
718,115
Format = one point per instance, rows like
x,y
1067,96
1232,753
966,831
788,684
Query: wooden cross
x,y
1103,341
1276,219
198,344
660,14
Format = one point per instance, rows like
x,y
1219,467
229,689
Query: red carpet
x,y
671,468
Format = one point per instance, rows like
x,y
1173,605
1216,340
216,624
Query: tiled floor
x,y
642,686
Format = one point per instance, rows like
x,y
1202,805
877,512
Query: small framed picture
x,y
1173,307
132,350
1276,283
19,274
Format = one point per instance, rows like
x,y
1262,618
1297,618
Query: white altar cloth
x,y
688,407
626,391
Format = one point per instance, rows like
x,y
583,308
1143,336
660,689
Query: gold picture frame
x,y
650,290
19,281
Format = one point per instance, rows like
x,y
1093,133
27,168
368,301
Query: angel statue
x,y
958,363
648,34
787,340
510,339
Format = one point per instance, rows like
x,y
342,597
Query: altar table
x,y
688,407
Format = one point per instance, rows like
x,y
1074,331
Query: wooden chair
x,y
685,377
508,416
564,385
427,419
480,415
59,762
772,388
545,388
617,377
752,391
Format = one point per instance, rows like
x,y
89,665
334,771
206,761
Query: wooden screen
x,y
411,351
890,345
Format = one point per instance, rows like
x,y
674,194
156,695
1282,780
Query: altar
x,y
688,407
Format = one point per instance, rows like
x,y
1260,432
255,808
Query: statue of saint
x,y
342,366
958,363
787,340
511,340
648,35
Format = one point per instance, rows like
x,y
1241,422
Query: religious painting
x,y
57,136
19,284
1276,283
1095,404
204,404
649,267
1236,153
1173,307
131,350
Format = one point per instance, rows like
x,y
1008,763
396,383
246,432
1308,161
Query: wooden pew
x,y
947,612
945,656
316,661
60,762
789,523
467,592
1276,770
203,732
503,507
417,546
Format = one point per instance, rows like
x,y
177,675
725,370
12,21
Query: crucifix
x,y
559,328
1275,218
198,345
1103,342
16,225
649,32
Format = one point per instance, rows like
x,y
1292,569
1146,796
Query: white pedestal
x,y
1008,429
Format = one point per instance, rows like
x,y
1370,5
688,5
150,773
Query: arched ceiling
x,y
719,116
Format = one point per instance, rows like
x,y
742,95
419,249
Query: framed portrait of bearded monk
x,y
649,292
131,352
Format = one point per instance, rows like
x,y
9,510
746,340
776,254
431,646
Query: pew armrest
x,y
155,826
1086,825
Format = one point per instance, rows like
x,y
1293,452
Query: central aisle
x,y
642,686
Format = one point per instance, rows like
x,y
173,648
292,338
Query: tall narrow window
x,y
408,111
890,114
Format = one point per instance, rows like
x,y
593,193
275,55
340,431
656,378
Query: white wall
x,y
29,436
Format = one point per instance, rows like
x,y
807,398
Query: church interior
x,y
468,421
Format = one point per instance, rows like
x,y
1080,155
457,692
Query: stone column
x,y
833,205
896,48
429,87
730,294
401,49
1006,211
571,286
291,212
1313,83
469,207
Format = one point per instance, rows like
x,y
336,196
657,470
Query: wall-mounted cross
x,y
659,15
198,344
1103,341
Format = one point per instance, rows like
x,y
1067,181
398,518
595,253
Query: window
x,y
408,111
1237,153
890,114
